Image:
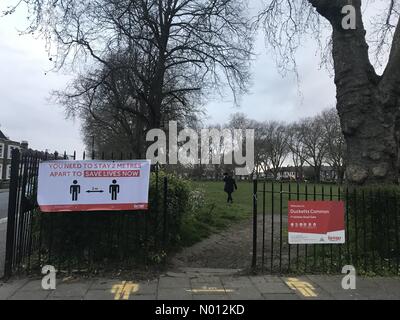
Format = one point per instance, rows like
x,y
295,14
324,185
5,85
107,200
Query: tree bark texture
x,y
368,104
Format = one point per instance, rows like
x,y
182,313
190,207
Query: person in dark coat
x,y
230,186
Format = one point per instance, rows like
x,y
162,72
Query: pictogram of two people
x,y
113,190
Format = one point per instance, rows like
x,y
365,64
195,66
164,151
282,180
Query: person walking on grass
x,y
230,186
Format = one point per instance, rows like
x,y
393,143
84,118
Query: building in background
x,y
6,148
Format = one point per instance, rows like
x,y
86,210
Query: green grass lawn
x,y
215,214
215,195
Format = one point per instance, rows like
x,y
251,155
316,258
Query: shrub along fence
x,y
89,241
372,217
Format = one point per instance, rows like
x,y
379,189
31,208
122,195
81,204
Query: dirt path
x,y
230,249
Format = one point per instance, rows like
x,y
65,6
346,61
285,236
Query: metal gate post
x,y
254,260
12,212
165,212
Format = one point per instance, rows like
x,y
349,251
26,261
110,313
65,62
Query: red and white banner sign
x,y
316,222
68,186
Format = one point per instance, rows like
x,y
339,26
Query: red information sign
x,y
316,222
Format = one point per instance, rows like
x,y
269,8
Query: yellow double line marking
x,y
305,288
124,290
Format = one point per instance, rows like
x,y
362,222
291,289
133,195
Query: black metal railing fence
x,y
84,241
371,227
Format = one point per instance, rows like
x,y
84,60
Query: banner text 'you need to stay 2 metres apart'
x,y
95,170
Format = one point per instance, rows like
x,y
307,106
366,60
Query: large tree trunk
x,y
340,173
368,104
317,173
369,127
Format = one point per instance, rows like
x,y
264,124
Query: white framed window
x,y
8,173
10,150
1,150
1,171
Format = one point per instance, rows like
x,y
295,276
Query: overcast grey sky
x,y
25,111
27,114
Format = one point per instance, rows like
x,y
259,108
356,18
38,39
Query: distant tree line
x,y
310,143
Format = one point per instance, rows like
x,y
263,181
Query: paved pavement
x,y
3,204
3,228
204,284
